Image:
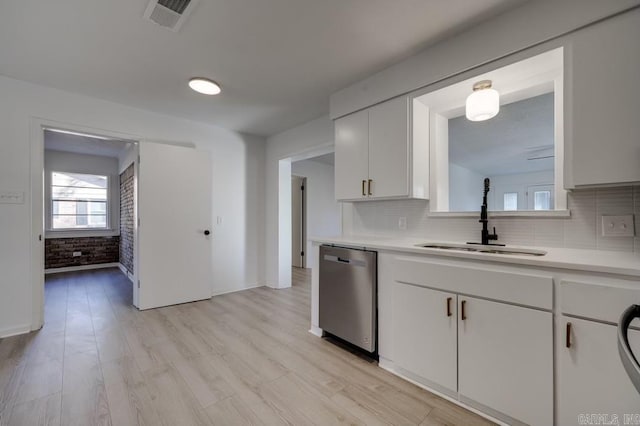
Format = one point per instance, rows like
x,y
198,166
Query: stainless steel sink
x,y
484,249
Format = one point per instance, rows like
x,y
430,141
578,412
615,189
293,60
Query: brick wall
x,y
127,217
58,252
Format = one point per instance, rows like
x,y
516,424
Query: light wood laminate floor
x,y
244,358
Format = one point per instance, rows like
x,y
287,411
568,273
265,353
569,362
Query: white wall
x,y
530,24
238,171
323,211
465,189
314,136
58,161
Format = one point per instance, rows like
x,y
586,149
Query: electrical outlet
x,y
77,253
618,226
402,223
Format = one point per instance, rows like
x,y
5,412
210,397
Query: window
x,y
78,201
542,200
510,201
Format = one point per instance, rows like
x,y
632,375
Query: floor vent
x,y
170,14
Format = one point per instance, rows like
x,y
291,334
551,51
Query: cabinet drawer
x,y
604,302
524,289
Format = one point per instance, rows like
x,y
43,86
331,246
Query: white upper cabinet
x,y
603,101
377,156
389,148
352,156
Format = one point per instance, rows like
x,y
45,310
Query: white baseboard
x,y
14,331
316,331
81,267
220,293
389,366
125,271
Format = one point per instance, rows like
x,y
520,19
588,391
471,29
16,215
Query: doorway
x,y
298,221
89,207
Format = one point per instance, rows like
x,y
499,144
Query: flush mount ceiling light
x,y
204,86
483,103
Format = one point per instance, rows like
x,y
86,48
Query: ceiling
x,y
504,144
277,60
79,144
325,159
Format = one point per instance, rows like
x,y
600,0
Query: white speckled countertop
x,y
608,262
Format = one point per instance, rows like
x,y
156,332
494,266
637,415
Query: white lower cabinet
x,y
424,334
505,359
592,380
495,356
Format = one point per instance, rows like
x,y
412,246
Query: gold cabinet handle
x,y
370,181
449,299
568,337
364,182
463,314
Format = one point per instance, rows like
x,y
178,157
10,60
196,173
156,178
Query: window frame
x,y
108,201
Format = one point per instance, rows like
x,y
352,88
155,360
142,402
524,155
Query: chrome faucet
x,y
484,218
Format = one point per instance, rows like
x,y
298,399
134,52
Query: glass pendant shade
x,y
483,103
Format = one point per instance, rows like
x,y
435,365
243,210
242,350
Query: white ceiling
x,y
78,144
277,60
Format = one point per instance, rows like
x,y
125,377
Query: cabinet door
x,y
389,148
351,155
424,334
604,130
505,359
592,379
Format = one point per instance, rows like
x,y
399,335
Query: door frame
x,y
303,221
37,126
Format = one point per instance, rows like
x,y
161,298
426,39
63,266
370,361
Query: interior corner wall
x,y
290,143
238,175
323,218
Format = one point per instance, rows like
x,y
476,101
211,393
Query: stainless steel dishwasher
x,y
348,295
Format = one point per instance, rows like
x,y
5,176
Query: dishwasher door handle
x,y
338,259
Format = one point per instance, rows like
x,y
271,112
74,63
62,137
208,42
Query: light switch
x,y
402,223
618,226
11,197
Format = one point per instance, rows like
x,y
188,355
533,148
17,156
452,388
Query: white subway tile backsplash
x,y
581,230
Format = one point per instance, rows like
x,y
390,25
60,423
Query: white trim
x,y
537,214
14,331
236,290
37,125
82,267
81,233
124,270
389,366
316,331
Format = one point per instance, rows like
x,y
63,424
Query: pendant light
x,y
483,103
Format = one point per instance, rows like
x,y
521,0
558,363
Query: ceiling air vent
x,y
169,13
